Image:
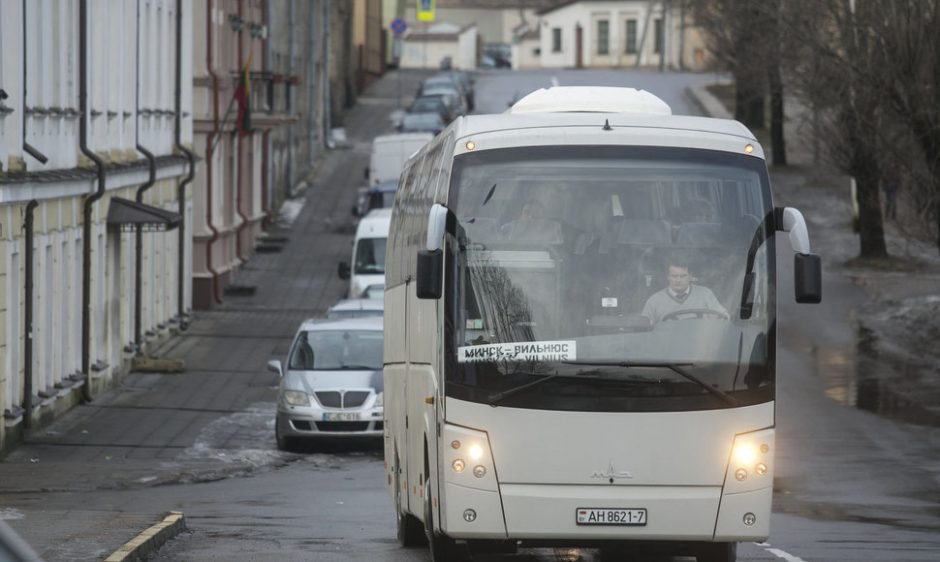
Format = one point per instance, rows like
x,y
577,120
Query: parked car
x,y
421,123
439,104
389,154
380,196
331,385
374,291
355,308
368,253
451,91
465,81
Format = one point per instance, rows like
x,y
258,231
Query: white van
x,y
368,254
389,154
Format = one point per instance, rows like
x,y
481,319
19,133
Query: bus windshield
x,y
610,279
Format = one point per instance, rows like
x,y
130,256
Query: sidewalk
x,y
896,356
215,420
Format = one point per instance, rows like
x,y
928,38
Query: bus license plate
x,y
610,516
341,416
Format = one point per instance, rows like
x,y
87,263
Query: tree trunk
x,y
871,232
748,102
777,140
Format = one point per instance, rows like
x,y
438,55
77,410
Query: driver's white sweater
x,y
663,302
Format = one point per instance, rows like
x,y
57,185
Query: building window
x,y
603,37
658,36
630,43
556,39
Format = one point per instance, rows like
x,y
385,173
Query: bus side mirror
x,y
807,267
430,265
430,274
807,278
343,270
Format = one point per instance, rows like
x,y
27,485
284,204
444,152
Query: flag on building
x,y
243,97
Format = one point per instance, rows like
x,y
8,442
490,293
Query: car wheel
x,y
410,530
718,552
442,547
283,443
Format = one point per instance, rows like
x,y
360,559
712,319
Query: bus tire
x,y
718,552
442,548
410,530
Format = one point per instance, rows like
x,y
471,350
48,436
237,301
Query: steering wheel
x,y
698,312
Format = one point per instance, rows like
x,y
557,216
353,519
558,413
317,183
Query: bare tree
x,y
832,49
744,38
906,51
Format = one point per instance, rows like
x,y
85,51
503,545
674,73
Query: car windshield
x,y
427,104
370,255
336,350
636,278
422,122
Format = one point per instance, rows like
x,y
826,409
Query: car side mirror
x,y
342,270
274,365
807,278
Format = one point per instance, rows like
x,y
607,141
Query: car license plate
x,y
610,516
341,416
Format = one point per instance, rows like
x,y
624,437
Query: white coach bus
x,y
580,330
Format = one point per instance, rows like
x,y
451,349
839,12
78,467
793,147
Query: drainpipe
x,y
181,188
237,145
139,235
89,199
328,106
266,136
209,150
28,342
29,149
292,17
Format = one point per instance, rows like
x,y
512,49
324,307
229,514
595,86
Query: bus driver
x,y
682,296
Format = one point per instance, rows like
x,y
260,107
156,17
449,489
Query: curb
x,y
707,102
147,542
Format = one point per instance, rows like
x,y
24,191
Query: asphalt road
x,y
851,485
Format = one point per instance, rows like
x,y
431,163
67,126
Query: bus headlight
x,y
470,458
296,398
750,466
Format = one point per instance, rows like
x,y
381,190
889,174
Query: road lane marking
x,y
779,553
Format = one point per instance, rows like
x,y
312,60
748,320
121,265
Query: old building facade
x,y
95,137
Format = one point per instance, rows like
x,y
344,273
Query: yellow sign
x,y
426,10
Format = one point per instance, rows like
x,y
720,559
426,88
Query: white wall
x,y
52,127
587,14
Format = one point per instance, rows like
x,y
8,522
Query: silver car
x,y
331,385
355,308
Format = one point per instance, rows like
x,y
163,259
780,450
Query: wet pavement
x,y
855,479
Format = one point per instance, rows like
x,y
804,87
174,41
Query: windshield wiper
x,y
492,399
674,367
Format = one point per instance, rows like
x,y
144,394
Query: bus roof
x,y
479,124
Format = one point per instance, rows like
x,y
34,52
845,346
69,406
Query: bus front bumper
x,y
537,512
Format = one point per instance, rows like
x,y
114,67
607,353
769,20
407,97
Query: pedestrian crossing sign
x,y
426,10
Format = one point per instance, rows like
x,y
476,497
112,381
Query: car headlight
x,y
296,398
380,400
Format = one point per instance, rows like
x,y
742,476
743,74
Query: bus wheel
x,y
718,552
442,547
410,530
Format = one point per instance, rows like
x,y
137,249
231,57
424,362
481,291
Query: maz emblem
x,y
611,473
